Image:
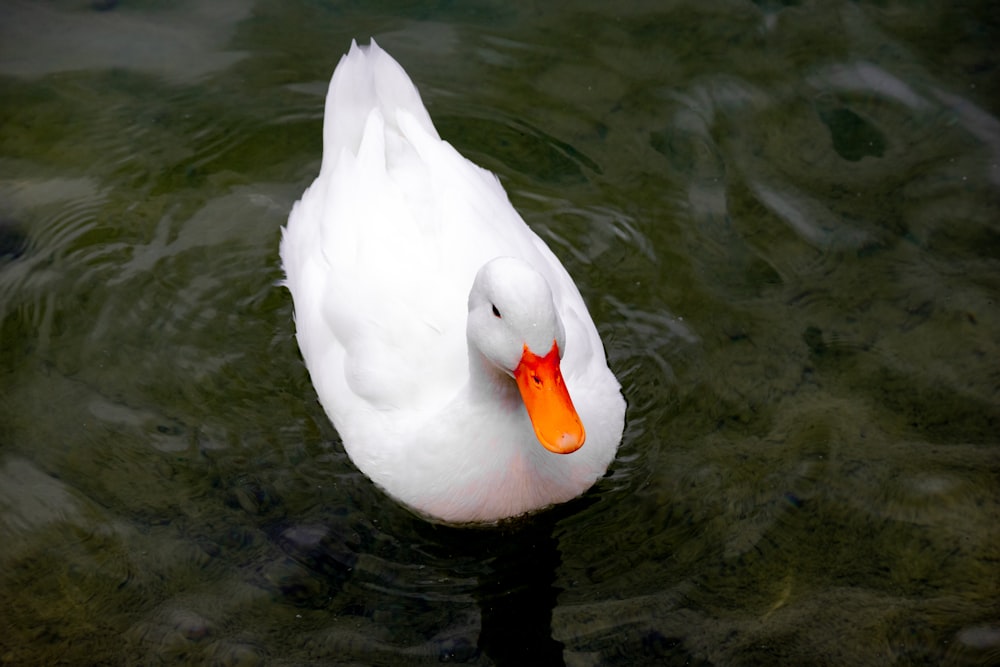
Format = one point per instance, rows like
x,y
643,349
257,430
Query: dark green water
x,y
785,217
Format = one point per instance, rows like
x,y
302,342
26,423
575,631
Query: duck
x,y
448,345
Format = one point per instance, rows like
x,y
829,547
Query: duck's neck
x,y
489,383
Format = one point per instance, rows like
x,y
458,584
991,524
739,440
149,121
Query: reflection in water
x,y
516,597
782,217
184,42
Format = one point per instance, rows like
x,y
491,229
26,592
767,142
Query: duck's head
x,y
514,325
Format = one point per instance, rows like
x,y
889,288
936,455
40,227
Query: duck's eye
x,y
496,313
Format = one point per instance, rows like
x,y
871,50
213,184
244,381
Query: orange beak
x,y
557,425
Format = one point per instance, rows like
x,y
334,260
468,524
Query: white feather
x,y
380,255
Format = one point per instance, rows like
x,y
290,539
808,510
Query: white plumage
x,y
391,259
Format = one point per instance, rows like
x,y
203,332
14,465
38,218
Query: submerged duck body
x,y
449,347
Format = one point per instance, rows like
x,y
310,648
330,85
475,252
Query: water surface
x,y
783,216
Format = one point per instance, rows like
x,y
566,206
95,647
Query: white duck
x,y
446,342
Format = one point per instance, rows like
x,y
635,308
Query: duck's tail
x,y
366,78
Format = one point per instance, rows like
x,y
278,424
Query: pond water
x,y
784,217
